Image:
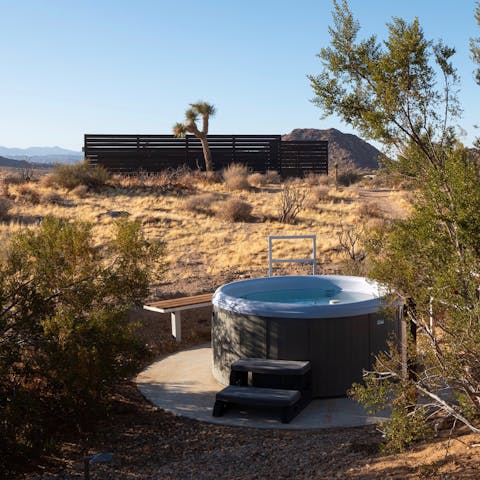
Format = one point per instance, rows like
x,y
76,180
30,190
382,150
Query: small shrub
x,y
27,194
370,210
52,198
257,179
169,180
348,177
14,179
235,177
199,203
208,178
272,176
80,192
314,179
320,194
292,198
71,176
234,210
5,206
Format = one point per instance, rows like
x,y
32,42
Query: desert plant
x,y
402,92
319,194
370,210
314,179
205,110
5,206
233,210
71,176
350,244
201,203
52,198
348,177
291,202
81,191
257,179
235,177
272,176
28,194
14,178
65,333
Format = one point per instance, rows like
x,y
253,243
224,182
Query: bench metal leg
x,y
176,319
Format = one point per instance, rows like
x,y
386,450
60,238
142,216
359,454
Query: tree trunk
x,y
207,154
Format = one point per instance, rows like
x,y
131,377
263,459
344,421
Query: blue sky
x,y
71,67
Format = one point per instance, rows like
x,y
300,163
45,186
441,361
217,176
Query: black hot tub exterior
x,y
339,348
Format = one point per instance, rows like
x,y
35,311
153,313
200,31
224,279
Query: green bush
x,y
71,176
65,337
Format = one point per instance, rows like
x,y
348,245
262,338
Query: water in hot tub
x,y
308,296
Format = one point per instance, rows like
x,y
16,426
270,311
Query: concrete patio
x,y
182,383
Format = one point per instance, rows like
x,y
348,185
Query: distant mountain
x,y
343,148
9,162
42,154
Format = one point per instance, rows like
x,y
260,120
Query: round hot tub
x,y
338,323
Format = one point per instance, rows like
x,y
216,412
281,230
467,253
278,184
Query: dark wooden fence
x,y
153,153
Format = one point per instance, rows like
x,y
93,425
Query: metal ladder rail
x,y
312,260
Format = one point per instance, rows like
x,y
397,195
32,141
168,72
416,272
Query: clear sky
x,y
71,67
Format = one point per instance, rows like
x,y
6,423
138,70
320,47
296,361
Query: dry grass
x,y
258,180
235,177
201,247
234,210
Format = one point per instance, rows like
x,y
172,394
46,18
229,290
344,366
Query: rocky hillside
x,y
346,149
10,162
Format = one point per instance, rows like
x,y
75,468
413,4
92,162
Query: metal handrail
x,y
312,260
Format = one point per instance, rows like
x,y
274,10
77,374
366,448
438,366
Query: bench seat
x,y
271,367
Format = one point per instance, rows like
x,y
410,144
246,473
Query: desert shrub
x,y
350,241
233,210
291,202
235,177
272,176
370,210
200,203
314,179
80,192
5,206
320,194
348,177
28,194
169,180
16,178
257,179
66,338
52,198
71,176
208,178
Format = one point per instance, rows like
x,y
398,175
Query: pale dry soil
x,y
203,252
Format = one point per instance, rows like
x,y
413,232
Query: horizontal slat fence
x,y
153,153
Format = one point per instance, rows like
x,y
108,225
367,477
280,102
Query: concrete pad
x,y
182,383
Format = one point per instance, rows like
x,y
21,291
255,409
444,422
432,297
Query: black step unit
x,y
289,402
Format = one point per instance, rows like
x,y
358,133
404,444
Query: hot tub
x,y
339,323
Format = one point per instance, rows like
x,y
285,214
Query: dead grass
x,y
234,210
235,177
203,249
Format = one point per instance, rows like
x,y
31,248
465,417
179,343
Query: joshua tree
x,y
205,110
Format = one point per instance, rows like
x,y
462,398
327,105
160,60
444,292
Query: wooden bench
x,y
287,401
174,306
